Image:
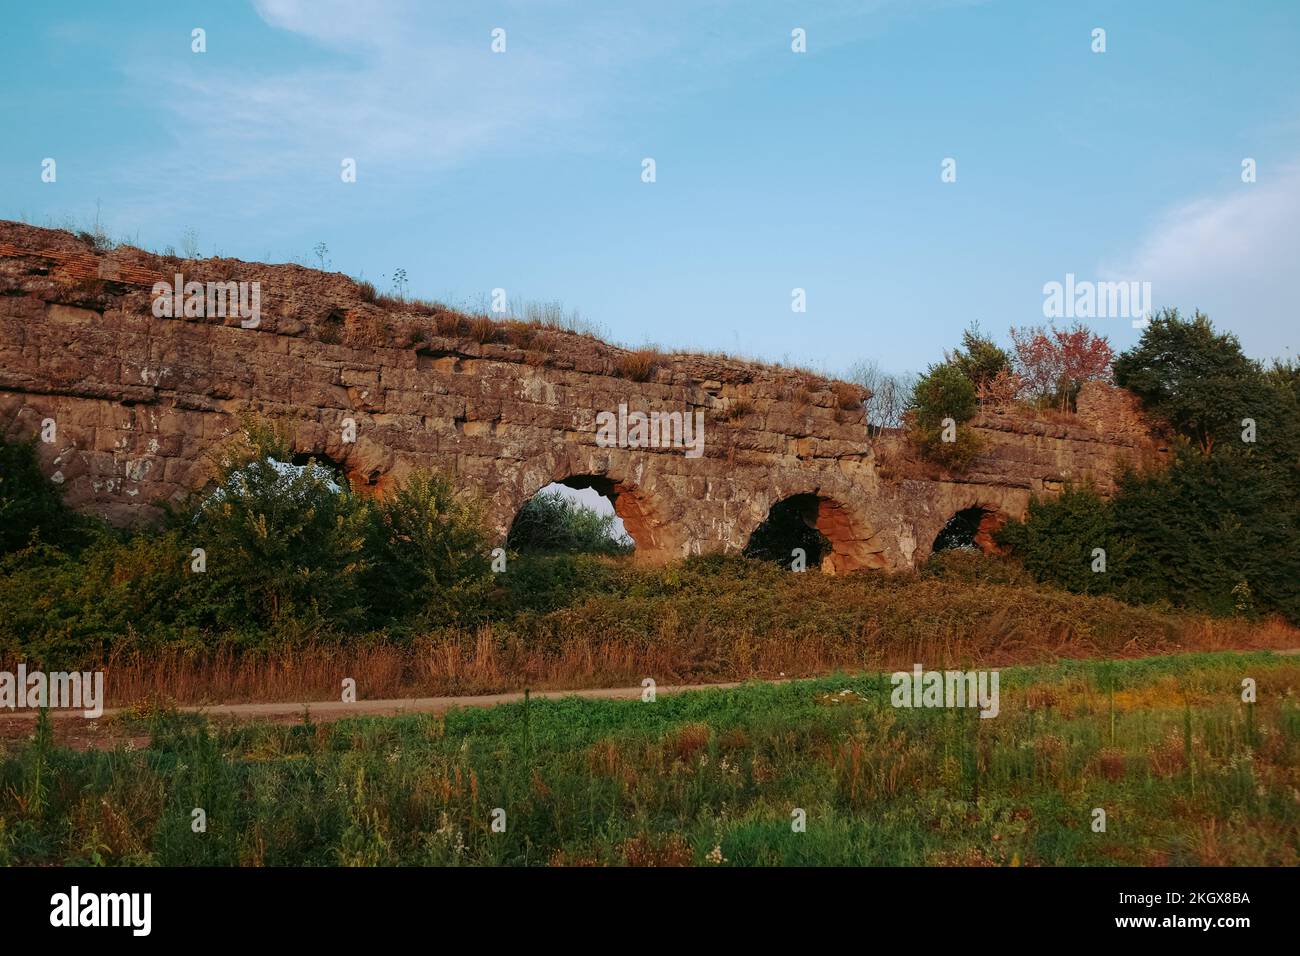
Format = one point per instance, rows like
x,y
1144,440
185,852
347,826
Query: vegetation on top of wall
x,y
943,401
979,358
1218,529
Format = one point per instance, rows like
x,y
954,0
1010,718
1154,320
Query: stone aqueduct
x,y
140,404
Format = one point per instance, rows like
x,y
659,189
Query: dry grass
x,y
800,395
450,324
488,661
738,408
639,365
483,329
848,397
1052,415
523,335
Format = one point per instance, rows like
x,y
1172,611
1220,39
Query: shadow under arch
x,y
831,538
971,529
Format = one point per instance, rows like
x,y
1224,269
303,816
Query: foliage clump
x,y
1218,528
943,400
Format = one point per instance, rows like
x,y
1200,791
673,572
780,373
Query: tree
x,y
1218,528
1195,378
944,392
980,359
1207,525
1054,363
889,395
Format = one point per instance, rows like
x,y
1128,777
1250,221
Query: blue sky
x,y
775,170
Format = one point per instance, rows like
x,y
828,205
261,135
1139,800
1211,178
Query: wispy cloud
x,y
1233,255
416,85
411,90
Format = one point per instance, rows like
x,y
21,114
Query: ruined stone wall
x,y
140,404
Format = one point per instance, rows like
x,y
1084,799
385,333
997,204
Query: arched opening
x,y
830,536
790,525
971,529
357,473
579,515
336,469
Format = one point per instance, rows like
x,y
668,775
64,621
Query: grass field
x,y
1184,770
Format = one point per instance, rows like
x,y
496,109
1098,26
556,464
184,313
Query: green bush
x,y
980,359
283,545
1056,540
427,554
546,582
289,553
120,591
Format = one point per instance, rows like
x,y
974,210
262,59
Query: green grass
x,y
1186,772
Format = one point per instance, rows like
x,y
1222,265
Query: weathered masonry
x,y
141,402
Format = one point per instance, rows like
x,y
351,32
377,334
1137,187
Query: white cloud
x,y
1235,256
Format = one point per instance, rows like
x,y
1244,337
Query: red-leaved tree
x,y
1052,363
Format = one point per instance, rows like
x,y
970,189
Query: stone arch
x,y
640,518
849,543
367,465
973,525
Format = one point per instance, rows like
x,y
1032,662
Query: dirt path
x,y
73,730
326,710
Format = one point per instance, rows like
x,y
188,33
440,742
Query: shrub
x,y
282,542
121,590
427,553
1055,541
942,392
1000,390
541,583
